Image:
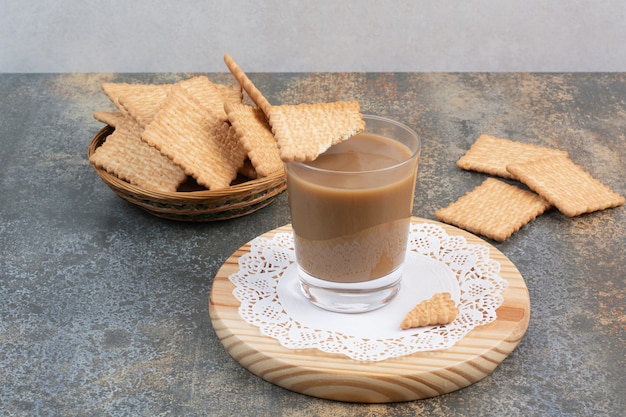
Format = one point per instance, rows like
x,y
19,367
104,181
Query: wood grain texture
x,y
337,377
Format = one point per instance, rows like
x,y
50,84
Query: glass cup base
x,y
358,297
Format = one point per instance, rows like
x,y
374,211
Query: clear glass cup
x,y
350,211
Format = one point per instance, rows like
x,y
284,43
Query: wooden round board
x,y
337,377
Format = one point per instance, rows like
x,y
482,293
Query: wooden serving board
x,y
337,377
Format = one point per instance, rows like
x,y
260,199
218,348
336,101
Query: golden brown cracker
x,y
248,171
111,118
494,209
491,155
231,93
566,185
305,131
253,92
143,99
126,156
255,134
437,310
196,139
143,104
208,94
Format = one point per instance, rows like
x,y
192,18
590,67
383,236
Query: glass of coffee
x,y
350,212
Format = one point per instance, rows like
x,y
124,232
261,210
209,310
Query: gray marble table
x,y
103,307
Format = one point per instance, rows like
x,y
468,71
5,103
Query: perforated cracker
x,y
305,131
566,185
255,134
437,310
208,94
196,139
111,118
253,92
494,209
143,99
126,156
491,155
231,93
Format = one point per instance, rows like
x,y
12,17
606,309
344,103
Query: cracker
x,y
143,99
255,134
208,94
254,93
230,93
437,310
494,209
566,185
126,156
305,131
111,118
248,171
491,155
196,139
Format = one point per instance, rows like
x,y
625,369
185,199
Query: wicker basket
x,y
196,206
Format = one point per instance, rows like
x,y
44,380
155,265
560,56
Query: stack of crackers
x,y
195,128
496,209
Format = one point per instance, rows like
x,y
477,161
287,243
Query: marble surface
x,y
104,308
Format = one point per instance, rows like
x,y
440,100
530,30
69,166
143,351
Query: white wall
x,y
317,35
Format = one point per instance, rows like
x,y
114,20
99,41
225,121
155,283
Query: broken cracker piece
x,y
305,131
439,309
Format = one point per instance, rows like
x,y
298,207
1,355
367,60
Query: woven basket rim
x,y
273,179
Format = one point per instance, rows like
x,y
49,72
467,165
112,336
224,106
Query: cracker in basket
x,y
303,131
437,310
248,171
566,185
491,155
144,99
494,209
254,93
126,156
111,118
196,139
231,93
209,95
255,134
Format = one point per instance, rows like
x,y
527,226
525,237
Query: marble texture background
x,y
307,36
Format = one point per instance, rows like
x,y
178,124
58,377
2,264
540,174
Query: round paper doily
x,y
268,326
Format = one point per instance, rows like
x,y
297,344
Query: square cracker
x,y
494,209
255,134
491,155
566,185
196,139
126,156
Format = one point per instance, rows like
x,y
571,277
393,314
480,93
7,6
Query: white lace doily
x,y
267,287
